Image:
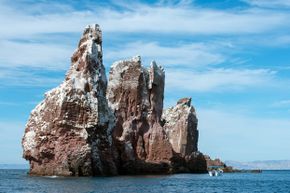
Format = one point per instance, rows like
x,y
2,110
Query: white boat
x,y
211,173
218,172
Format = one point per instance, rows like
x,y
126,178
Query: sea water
x,y
14,181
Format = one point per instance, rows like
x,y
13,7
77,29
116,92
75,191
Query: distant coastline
x,y
14,166
253,165
262,165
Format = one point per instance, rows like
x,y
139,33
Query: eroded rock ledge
x,y
85,127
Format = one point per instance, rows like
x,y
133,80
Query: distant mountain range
x,y
14,166
263,165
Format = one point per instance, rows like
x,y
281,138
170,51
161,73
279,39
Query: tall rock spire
x,y
68,133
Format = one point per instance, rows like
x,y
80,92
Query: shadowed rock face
x,y
84,127
68,133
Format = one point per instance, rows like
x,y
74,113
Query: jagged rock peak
x,y
120,63
87,58
90,45
87,72
92,34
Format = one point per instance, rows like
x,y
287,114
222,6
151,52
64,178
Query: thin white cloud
x,y
282,41
282,103
270,3
192,55
16,103
145,19
215,80
269,40
57,57
41,55
26,78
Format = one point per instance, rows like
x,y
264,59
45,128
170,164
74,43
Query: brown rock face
x,y
180,124
135,95
84,127
68,133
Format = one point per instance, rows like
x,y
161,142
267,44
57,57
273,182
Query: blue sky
x,y
231,57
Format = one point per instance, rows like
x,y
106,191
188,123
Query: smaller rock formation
x,y
217,163
214,163
180,124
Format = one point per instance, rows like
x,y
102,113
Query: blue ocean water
x,y
14,181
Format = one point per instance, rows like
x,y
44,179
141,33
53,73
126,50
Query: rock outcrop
x,y
214,162
217,163
84,127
